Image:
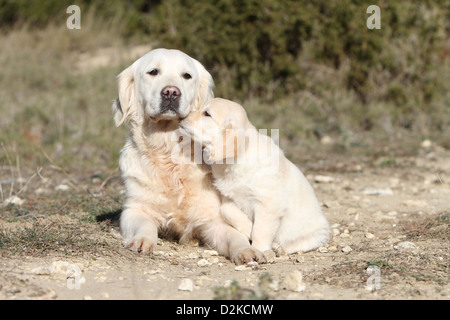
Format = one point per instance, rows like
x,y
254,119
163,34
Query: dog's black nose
x,y
170,99
170,93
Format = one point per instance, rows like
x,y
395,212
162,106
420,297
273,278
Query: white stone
x,y
347,249
193,255
62,187
14,200
323,179
203,263
369,235
210,253
426,144
405,245
326,140
186,285
381,191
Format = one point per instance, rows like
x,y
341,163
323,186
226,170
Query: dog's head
x,y
162,85
221,127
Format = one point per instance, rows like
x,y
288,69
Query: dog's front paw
x,y
247,255
142,244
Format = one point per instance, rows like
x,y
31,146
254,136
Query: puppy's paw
x,y
247,255
142,244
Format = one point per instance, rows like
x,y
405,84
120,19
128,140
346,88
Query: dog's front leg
x,y
231,243
139,230
265,226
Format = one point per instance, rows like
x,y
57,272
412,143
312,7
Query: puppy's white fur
x,y
265,196
166,195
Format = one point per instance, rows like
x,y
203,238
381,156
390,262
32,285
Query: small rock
x,y
426,144
203,263
193,255
331,204
332,248
186,285
415,203
376,192
347,249
210,253
294,282
62,187
323,179
13,200
336,232
41,190
326,140
252,264
405,245
369,235
322,250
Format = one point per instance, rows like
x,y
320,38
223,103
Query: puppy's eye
x,y
206,114
153,72
187,76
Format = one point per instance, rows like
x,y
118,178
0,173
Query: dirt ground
x,y
389,216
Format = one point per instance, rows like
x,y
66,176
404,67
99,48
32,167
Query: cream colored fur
x,y
164,195
265,196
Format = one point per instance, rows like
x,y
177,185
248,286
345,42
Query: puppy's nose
x,y
170,93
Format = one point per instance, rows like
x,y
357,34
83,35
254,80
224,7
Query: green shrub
x,y
316,64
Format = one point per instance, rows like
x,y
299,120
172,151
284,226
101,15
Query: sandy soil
x,y
390,221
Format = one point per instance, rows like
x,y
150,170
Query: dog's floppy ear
x,y
124,106
205,86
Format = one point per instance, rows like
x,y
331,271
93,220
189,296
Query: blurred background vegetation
x,y
310,68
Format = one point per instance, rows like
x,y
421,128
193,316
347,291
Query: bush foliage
x,y
271,50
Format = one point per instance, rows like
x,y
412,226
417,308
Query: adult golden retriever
x,y
164,195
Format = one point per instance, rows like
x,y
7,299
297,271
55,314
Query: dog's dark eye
x,y
206,114
153,72
187,76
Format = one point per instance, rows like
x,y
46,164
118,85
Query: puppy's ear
x,y
124,106
205,87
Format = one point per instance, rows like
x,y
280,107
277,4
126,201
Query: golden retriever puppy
x,y
165,195
264,194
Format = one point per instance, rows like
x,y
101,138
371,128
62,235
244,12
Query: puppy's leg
x,y
235,217
231,243
139,230
265,226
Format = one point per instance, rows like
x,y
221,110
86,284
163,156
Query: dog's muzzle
x,y
170,99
